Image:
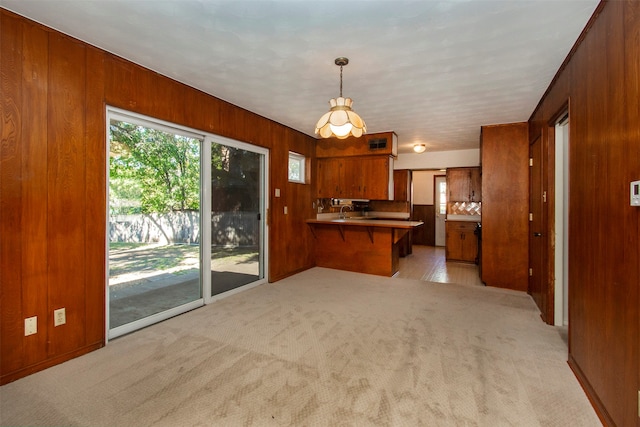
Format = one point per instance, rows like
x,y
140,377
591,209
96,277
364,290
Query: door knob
x,y
537,234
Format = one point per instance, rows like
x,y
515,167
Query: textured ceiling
x,y
432,71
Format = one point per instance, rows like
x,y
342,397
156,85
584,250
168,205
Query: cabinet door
x,y
453,242
461,241
458,181
330,176
352,178
469,246
464,184
375,178
476,185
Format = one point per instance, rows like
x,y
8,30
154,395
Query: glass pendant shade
x,y
341,121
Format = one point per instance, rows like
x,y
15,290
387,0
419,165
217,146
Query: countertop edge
x,y
380,223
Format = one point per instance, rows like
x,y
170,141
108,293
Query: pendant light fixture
x,y
341,121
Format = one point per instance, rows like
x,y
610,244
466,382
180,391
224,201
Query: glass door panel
x,y
237,210
154,223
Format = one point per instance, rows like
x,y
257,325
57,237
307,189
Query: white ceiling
x,y
432,71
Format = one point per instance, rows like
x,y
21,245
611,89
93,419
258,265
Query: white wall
x,y
438,159
428,164
423,186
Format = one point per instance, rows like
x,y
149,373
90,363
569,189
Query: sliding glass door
x,y
185,222
237,216
154,222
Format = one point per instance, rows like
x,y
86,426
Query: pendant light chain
x,y
341,81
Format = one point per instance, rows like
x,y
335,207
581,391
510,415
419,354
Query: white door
x,y
440,202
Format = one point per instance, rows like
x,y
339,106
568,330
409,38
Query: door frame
x,y
551,227
124,115
205,226
560,246
436,205
540,285
206,210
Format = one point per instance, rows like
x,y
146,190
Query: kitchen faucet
x,y
342,215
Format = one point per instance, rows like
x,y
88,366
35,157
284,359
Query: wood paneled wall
x,y
53,184
600,81
505,206
425,235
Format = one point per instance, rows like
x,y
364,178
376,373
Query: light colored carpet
x,y
322,348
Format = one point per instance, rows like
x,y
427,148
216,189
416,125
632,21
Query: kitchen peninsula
x,y
359,243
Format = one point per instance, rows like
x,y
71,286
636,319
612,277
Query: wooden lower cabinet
x,y
461,241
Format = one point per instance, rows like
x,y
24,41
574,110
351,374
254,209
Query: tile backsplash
x,y
464,208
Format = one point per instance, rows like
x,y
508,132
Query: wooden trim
x,y
20,373
598,406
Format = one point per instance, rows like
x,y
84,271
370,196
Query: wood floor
x,y
428,263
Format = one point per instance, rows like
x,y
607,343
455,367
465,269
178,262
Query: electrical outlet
x,y
59,317
30,325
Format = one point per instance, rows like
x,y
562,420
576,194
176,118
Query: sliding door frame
x,y
206,211
206,139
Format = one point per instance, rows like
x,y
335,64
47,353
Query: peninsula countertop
x,y
367,222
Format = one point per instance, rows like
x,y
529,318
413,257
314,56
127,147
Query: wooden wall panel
x,y
291,237
425,235
603,75
34,175
53,183
66,192
505,206
95,207
11,155
631,334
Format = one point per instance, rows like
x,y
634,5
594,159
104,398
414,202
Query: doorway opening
x,y
440,199
561,255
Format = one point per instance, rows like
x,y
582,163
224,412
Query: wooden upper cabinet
x,y
370,144
464,184
373,177
402,185
330,177
354,177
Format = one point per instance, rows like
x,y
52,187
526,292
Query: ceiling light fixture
x,y
341,121
419,148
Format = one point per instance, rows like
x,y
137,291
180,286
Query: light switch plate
x,y
30,325
635,193
59,317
